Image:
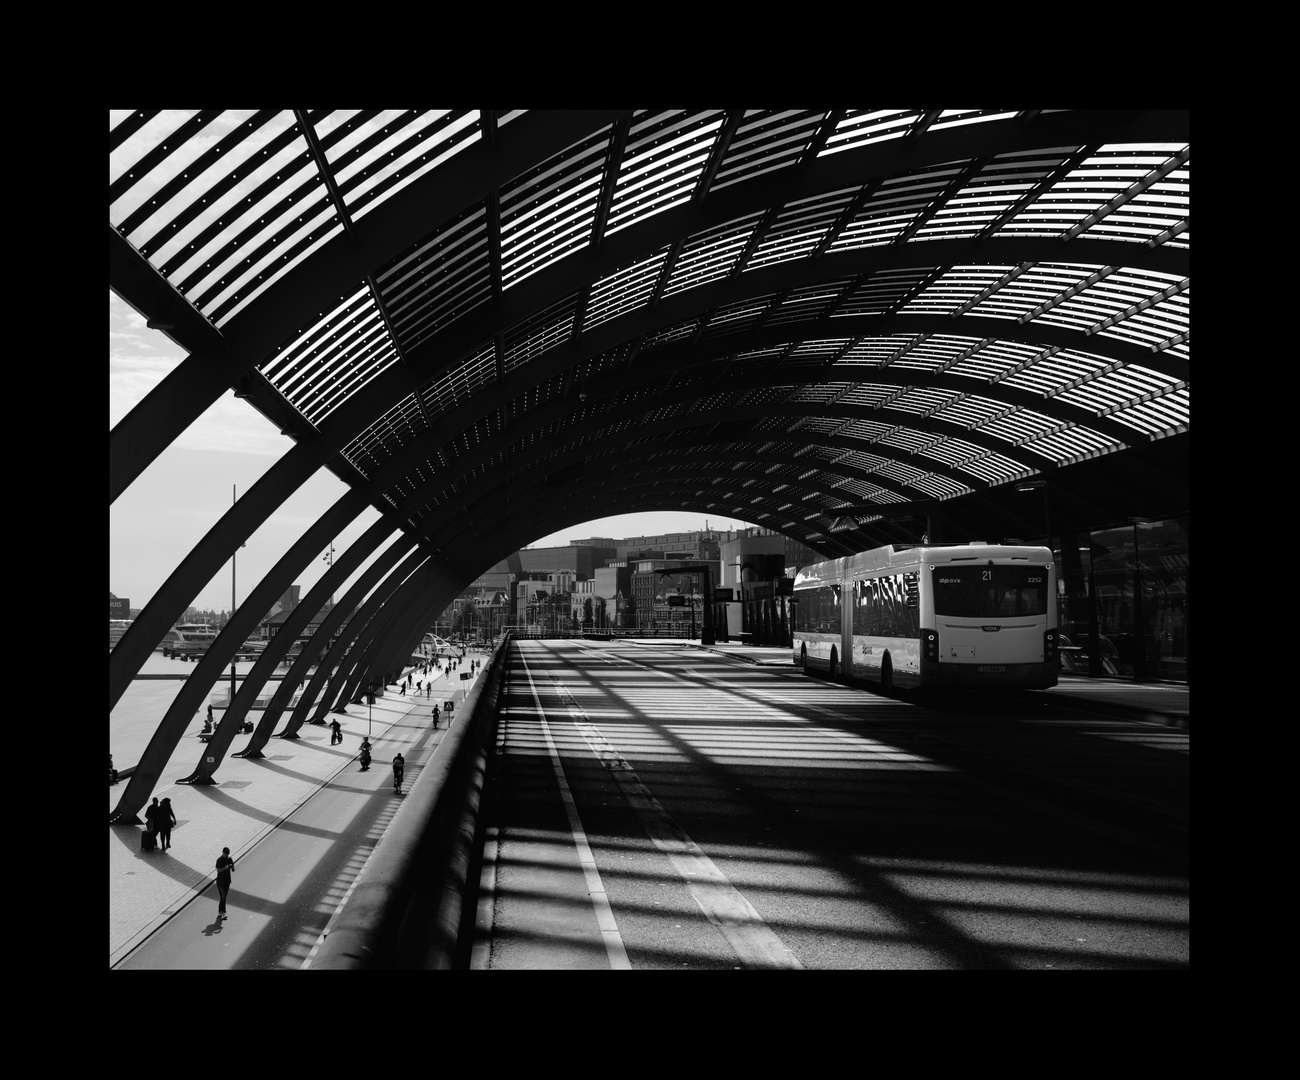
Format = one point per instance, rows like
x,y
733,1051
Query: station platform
x,y
1159,702
249,799
253,797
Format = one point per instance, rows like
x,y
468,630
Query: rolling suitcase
x,y
148,841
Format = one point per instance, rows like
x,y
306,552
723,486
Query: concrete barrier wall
x,y
408,905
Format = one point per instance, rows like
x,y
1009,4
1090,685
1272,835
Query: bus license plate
x,y
990,667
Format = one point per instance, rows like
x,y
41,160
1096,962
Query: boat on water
x,y
188,639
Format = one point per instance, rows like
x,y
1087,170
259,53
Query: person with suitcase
x,y
149,839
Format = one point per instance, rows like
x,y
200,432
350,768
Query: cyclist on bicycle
x,y
399,767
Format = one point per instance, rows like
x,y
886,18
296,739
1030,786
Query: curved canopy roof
x,y
496,324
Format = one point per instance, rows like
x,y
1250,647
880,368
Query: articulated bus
x,y
940,615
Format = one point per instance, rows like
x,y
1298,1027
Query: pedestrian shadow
x,y
214,927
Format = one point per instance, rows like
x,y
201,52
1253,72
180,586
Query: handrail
x,y
422,860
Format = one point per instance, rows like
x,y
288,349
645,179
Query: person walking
x,y
225,867
151,818
166,822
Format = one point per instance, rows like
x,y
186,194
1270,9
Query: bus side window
x,y
892,589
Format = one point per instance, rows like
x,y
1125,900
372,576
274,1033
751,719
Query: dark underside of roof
x,y
848,327
1141,484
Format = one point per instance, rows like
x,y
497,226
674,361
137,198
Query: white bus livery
x,y
940,615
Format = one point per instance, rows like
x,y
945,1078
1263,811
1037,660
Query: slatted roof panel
x,y
439,279
989,296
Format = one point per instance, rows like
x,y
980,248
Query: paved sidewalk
x,y
1160,703
250,798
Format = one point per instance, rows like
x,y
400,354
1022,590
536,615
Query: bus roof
x,y
906,556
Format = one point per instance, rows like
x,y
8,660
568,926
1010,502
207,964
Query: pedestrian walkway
x,y
1161,703
249,799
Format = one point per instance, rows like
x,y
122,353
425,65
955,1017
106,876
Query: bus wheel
x,y
835,665
887,676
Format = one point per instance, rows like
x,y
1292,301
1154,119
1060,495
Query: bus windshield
x,y
982,592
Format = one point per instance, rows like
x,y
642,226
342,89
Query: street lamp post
x,y
328,559
234,497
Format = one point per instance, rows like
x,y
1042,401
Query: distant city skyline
x,y
155,523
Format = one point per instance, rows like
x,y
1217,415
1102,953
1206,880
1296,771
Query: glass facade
x,y
1123,600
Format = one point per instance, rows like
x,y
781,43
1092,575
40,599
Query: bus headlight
x,y
1049,646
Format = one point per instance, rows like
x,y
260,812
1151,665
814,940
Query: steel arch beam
x,y
395,469
290,303
202,564
349,560
362,642
288,474
337,624
210,667
286,306
335,658
337,267
375,645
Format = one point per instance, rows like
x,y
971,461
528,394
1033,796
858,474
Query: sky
x,y
156,522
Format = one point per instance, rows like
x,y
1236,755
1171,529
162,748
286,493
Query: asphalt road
x,y
665,808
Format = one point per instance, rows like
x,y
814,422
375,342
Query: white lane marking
x,y
753,941
595,887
